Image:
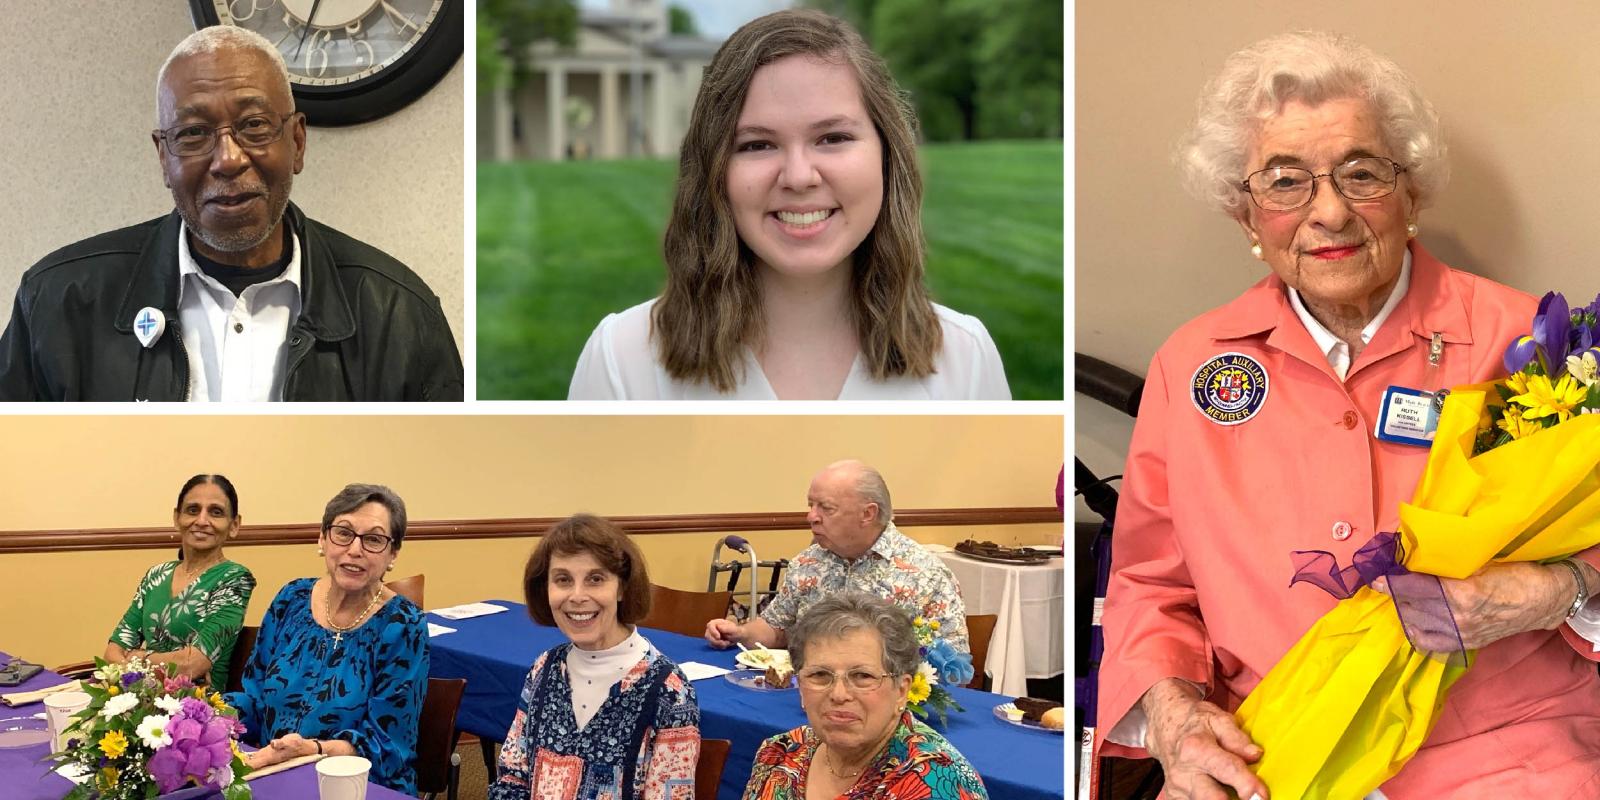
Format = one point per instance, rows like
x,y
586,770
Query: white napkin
x,y
24,698
435,629
469,610
695,671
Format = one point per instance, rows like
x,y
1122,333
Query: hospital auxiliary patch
x,y
1230,388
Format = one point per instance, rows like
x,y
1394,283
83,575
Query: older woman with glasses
x,y
341,664
854,655
1265,428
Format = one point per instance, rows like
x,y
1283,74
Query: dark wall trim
x,y
253,535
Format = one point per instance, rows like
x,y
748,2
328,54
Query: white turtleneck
x,y
592,673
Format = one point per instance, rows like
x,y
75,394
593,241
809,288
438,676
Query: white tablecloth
x,y
1028,601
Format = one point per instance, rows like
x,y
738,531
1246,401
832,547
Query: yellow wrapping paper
x,y
1352,701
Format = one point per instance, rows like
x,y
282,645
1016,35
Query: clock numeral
x,y
401,21
318,49
254,5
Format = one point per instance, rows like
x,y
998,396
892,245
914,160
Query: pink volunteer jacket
x,y
1210,512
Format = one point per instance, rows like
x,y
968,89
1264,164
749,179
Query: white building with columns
x,y
624,90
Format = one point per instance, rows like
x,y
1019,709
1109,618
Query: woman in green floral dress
x,y
189,612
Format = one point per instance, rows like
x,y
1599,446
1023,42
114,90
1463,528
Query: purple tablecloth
x,y
22,777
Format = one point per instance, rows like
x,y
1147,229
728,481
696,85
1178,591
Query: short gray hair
x,y
839,615
871,487
1312,67
221,37
357,495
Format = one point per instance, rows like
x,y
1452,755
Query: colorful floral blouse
x,y
918,764
206,615
366,688
896,568
647,732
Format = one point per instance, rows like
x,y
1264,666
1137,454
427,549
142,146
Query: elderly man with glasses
x,y
236,295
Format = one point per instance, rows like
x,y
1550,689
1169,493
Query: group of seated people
x,y
340,665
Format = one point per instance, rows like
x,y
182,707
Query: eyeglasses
x,y
860,680
370,542
197,139
1288,188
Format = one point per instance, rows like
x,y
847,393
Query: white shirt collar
x,y
236,346
187,266
1333,348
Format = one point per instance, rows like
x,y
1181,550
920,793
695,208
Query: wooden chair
x,y
980,627
684,612
438,767
708,770
241,655
409,588
77,670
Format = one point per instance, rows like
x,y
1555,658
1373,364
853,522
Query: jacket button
x,y
1350,420
238,327
294,340
1341,530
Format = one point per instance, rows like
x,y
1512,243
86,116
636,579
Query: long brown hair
x,y
711,307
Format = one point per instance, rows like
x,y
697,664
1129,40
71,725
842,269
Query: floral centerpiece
x,y
1513,474
148,732
941,665
1554,372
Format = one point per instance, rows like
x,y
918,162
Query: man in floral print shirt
x,y
855,547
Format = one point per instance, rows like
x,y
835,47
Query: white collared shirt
x,y
1334,348
237,346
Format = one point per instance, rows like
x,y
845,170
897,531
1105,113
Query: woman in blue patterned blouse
x,y
341,664
606,715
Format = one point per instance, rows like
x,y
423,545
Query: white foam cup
x,y
58,709
343,777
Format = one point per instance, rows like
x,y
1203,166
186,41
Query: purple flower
x,y
131,678
198,751
1552,326
197,709
1522,351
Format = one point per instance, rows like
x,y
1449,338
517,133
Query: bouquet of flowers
x,y
1513,475
148,732
941,665
1553,370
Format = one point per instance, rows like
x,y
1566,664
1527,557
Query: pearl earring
x,y
389,568
319,551
1255,250
1411,230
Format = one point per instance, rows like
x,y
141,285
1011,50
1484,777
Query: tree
x,y
928,45
1019,70
680,21
520,23
493,69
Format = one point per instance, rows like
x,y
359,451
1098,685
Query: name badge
x,y
1408,416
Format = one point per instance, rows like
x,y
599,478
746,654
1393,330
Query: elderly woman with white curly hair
x,y
1259,435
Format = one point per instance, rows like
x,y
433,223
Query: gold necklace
x,y
827,761
338,630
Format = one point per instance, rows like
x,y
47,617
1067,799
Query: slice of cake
x,y
779,676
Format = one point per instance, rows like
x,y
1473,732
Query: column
x,y
663,139
610,113
500,118
555,97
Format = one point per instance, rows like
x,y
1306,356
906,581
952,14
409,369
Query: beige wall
x,y
79,103
1512,82
123,472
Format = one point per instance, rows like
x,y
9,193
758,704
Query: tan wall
x,y
1512,82
79,100
125,471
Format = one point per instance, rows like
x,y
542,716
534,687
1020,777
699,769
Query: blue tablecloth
x,y
495,652
24,778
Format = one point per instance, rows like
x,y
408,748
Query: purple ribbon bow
x,y
1419,598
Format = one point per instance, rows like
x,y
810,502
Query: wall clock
x,y
350,61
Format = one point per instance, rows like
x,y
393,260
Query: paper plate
x,y
1000,714
752,679
761,659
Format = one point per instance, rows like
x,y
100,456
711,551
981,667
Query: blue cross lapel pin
x,y
148,325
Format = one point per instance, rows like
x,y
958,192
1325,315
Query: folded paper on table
x,y
282,766
696,671
469,610
1352,701
435,629
38,695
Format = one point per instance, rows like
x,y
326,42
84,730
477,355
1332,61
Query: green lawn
x,y
561,245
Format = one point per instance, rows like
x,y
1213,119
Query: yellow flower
x,y
113,744
1517,382
217,702
919,622
113,690
108,778
1519,427
919,689
1543,400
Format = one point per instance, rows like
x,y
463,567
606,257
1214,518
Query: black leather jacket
x,y
369,328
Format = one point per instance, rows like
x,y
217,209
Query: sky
x,y
716,19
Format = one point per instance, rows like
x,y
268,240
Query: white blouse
x,y
619,363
